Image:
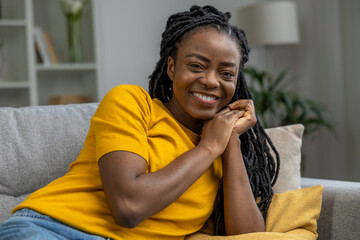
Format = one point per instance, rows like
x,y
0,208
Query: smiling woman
x,y
208,23
157,165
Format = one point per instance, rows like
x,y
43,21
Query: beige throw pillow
x,y
287,140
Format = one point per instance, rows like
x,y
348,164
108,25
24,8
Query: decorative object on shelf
x,y
40,45
73,10
44,47
3,61
68,99
276,105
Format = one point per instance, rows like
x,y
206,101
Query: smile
x,y
204,97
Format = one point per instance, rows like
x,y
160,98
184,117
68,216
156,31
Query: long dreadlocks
x,y
261,167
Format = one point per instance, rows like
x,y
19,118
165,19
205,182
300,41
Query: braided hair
x,y
261,167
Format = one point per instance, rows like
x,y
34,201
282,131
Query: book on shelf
x,y
41,47
50,48
44,47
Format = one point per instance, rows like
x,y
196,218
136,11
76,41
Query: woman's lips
x,y
204,98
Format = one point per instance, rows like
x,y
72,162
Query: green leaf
x,y
286,98
278,79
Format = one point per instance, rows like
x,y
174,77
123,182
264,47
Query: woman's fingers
x,y
248,119
234,115
246,104
225,110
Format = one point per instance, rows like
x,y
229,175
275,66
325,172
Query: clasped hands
x,y
232,121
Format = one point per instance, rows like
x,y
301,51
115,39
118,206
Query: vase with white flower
x,y
73,10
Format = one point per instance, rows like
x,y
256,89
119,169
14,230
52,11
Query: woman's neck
x,y
195,125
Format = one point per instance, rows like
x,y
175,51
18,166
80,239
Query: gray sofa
x,y
37,144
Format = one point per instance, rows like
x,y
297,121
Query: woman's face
x,y
204,76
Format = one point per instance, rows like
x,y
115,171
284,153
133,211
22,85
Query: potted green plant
x,y
276,105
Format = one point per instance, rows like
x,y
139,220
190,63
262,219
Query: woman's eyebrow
x,y
205,59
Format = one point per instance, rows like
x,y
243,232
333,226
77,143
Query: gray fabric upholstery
x,y
7,203
340,213
37,145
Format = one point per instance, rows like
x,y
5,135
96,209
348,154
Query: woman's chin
x,y
204,115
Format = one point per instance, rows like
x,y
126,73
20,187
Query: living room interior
x,y
118,42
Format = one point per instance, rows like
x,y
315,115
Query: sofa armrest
x,y
340,211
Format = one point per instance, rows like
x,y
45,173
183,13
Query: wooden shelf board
x,y
12,23
67,67
13,84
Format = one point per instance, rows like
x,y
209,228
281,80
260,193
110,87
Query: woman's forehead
x,y
210,42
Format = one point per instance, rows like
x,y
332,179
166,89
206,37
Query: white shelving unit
x,y
29,83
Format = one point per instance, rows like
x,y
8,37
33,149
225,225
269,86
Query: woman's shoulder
x,y
128,89
126,93
130,97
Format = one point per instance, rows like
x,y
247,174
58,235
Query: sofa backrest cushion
x,y
37,144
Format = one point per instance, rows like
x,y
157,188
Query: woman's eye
x,y
227,74
196,66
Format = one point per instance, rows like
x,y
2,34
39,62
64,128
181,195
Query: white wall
x,y
130,34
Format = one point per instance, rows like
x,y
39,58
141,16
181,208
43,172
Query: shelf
x,y
67,67
12,23
13,85
26,81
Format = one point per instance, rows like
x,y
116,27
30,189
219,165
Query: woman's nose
x,y
210,80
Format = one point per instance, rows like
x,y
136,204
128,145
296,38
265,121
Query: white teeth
x,y
203,97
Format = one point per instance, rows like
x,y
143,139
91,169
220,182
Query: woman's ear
x,y
171,68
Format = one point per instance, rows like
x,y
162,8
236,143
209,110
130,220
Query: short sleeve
x,y
121,121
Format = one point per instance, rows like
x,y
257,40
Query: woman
x,y
153,164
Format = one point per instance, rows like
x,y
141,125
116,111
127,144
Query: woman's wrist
x,y
208,150
233,144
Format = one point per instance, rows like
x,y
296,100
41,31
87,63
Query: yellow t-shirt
x,y
128,119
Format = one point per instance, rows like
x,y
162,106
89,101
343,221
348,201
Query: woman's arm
x,y
134,195
241,213
240,209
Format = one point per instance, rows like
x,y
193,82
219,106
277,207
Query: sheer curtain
x,y
326,67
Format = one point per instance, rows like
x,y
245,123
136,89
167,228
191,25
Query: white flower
x,y
73,7
76,7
